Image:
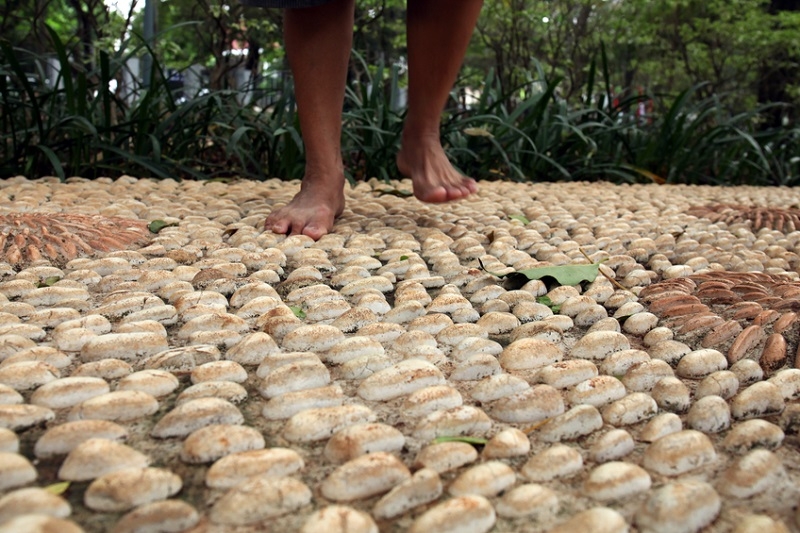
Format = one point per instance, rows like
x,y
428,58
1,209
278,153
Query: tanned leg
x,y
318,42
438,34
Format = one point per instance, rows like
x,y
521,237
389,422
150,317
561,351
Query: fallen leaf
x,y
298,311
545,300
157,225
564,275
521,218
58,488
49,282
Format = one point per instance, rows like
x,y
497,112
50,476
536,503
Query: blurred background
x,y
661,91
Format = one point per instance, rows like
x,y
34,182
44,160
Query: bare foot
x,y
312,211
435,180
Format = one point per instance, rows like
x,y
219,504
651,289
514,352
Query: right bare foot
x,y
312,211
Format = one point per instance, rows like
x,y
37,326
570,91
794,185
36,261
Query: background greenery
x,y
559,88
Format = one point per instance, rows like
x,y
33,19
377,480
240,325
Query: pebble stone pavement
x,y
171,386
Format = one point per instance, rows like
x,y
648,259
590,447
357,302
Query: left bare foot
x,y
313,210
435,180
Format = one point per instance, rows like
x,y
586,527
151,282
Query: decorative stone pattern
x,y
218,377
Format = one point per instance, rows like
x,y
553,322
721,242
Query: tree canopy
x,y
746,51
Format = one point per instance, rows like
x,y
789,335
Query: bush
x,y
79,126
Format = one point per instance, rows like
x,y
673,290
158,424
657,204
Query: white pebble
x,y
129,488
558,461
339,519
709,414
678,453
615,481
365,476
631,409
612,445
579,421
209,443
487,479
680,507
258,499
423,487
321,423
359,439
594,520
195,414
698,364
757,400
463,514
233,469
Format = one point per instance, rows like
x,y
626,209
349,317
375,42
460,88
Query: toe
x,y
314,231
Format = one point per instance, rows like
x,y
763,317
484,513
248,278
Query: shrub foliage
x,y
78,125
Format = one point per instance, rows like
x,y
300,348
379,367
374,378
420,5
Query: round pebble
x,y
166,516
69,391
529,500
709,414
258,499
752,474
614,444
94,457
365,476
751,434
595,520
487,479
423,487
33,500
339,519
723,383
37,523
629,410
209,443
558,461
443,457
359,439
679,507
462,514
678,453
615,481
62,439
231,470
759,399
15,471
17,417
195,414
130,487
117,406
579,421
155,382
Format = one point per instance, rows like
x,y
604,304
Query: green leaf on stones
x,y
298,311
49,281
563,275
157,225
58,488
469,440
521,218
403,258
545,300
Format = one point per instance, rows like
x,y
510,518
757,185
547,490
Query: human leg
x,y
438,34
318,41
